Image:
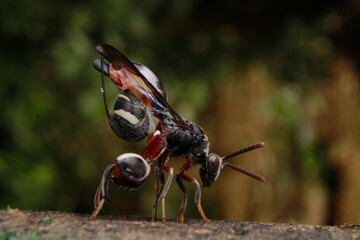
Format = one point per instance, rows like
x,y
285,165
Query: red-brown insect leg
x,y
181,175
184,201
155,153
159,181
165,189
97,210
180,183
102,191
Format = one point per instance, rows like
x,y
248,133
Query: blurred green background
x,y
282,72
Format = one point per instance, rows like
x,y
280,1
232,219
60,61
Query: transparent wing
x,y
137,78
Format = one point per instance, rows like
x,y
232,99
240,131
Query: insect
x,y
141,110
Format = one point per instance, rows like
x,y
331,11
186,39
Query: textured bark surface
x,y
15,224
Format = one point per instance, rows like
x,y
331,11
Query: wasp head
x,y
210,170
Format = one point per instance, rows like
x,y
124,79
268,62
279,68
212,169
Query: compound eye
x,y
213,164
132,171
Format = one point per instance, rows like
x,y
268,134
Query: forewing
x,y
128,76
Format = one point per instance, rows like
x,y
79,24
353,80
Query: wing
x,y
128,75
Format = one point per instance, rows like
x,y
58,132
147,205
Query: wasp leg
x,y
155,153
184,201
154,210
180,183
165,189
191,179
102,191
158,180
97,210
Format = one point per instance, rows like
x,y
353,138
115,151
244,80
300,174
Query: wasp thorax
x,y
130,120
210,170
132,171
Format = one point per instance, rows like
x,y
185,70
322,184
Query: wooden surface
x,y
15,224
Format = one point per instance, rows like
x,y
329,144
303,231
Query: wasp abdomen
x,y
132,171
130,119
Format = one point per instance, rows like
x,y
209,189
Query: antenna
x,y
244,150
243,170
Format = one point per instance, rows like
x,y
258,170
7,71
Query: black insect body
x,y
142,110
130,118
179,140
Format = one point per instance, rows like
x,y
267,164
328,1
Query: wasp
x,y
140,111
